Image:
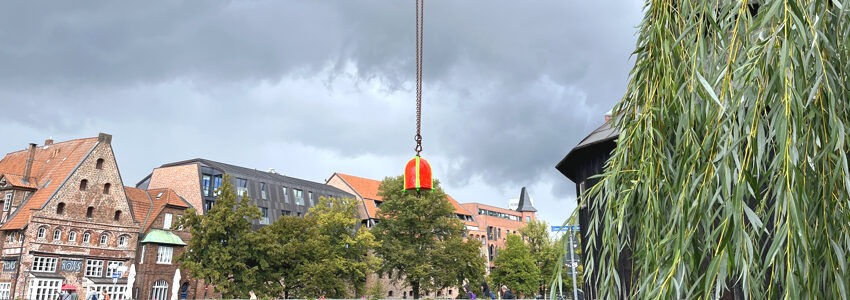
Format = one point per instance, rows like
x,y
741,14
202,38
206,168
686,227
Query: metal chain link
x,y
420,28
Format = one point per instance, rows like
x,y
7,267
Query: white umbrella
x,y
175,286
131,278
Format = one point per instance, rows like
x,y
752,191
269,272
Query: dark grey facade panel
x,y
275,200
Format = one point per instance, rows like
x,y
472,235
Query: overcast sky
x,y
310,88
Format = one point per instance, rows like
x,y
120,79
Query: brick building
x,y
496,223
156,211
276,195
65,220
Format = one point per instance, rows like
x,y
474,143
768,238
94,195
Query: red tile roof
x,y
50,168
147,205
18,181
368,189
140,203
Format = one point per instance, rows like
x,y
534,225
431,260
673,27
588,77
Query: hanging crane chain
x,y
420,26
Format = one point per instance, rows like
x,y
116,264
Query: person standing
x,y
506,293
487,292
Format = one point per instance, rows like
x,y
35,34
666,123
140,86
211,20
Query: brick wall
x,y
148,271
72,217
185,180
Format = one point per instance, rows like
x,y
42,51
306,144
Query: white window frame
x,y
285,194
123,240
94,268
7,202
87,237
42,232
57,234
159,290
43,288
104,239
166,221
109,270
164,254
44,264
115,291
5,289
72,236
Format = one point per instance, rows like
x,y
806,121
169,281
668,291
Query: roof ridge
x,y
54,144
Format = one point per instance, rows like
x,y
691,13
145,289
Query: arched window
x,y
72,236
42,231
106,188
390,294
99,164
86,237
122,240
117,215
84,184
57,235
159,290
104,238
90,212
60,208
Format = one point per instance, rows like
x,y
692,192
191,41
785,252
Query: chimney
x,y
48,142
30,158
104,138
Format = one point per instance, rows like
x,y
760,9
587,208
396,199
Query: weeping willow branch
x,y
730,175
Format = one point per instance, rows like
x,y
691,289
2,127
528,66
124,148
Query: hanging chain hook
x,y
420,27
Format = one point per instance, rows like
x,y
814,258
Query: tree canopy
x,y
221,251
730,175
516,267
422,241
323,253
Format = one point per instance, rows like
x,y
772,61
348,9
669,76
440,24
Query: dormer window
x,y
106,188
60,208
99,164
84,184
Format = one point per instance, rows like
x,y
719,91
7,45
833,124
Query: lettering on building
x,y
9,265
71,265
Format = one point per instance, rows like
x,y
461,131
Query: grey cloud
x,y
510,86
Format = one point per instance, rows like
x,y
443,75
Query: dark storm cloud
x,y
510,86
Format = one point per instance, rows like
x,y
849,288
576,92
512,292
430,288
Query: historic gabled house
x,y
65,220
156,211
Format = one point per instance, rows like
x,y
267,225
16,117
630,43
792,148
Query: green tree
x,y
221,249
346,261
422,240
544,250
294,245
323,253
730,174
517,268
